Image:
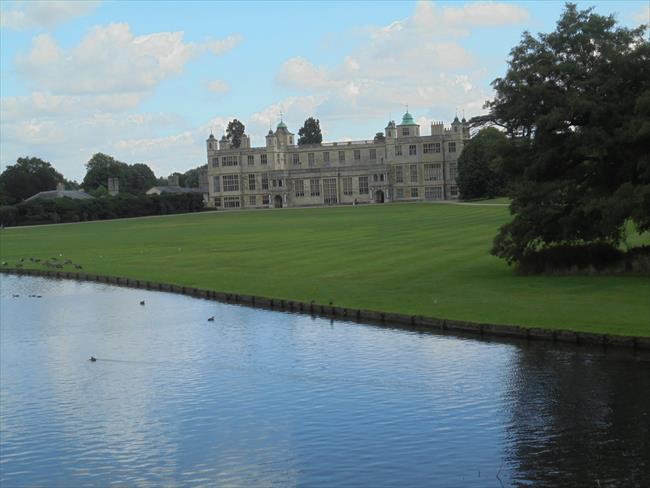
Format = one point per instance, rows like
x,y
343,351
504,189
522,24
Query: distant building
x,y
61,192
404,166
174,187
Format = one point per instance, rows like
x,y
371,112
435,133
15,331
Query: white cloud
x,y
294,109
111,59
643,15
217,87
47,14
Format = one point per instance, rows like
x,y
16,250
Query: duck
x,y
93,359
211,319
142,302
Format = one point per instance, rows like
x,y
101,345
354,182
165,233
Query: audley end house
x,y
402,166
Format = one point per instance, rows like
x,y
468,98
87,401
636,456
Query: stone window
x,y
229,161
405,131
311,159
373,154
217,202
399,174
300,188
252,201
414,173
251,160
452,147
414,192
433,193
216,184
433,147
453,171
347,185
413,149
231,202
453,191
265,199
251,182
399,193
265,182
326,157
363,185
215,162
314,187
398,150
329,191
263,159
296,159
432,172
230,183
357,154
342,156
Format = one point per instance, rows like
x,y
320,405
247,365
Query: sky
x,y
147,82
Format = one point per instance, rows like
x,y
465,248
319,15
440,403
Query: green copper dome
x,y
408,119
282,125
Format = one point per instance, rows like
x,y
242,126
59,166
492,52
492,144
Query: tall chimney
x,y
60,187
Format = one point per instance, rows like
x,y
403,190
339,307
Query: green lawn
x,y
423,259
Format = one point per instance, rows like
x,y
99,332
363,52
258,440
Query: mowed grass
x,y
421,259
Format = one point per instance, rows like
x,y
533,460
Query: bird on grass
x,y
4,263
211,319
93,359
78,266
142,302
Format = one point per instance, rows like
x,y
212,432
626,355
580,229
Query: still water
x,y
260,398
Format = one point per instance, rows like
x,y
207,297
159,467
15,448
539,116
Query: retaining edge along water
x,y
358,315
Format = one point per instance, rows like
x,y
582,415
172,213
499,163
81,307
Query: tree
x,y
234,132
99,168
380,137
139,178
479,174
26,178
310,132
575,104
191,177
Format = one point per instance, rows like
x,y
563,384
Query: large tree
x,y
26,178
134,178
479,168
575,104
310,132
234,132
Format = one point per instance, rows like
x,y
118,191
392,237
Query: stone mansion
x,y
402,166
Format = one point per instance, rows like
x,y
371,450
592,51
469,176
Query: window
x,y
357,154
433,147
347,185
363,185
265,200
375,177
231,202
216,184
414,173
311,160
398,150
263,159
329,190
251,182
399,193
382,177
413,149
433,193
215,162
341,156
373,154
432,172
296,159
453,171
210,145
251,160
300,188
252,200
230,183
405,131
453,191
326,157
314,187
265,182
452,147
217,202
399,174
229,161
414,192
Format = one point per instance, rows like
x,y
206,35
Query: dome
x,y
407,119
282,125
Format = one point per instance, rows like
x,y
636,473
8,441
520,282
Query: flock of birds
x,y
48,263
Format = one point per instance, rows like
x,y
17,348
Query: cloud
x,y
298,108
643,15
44,14
217,87
111,59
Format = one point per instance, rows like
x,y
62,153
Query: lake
x,y
264,398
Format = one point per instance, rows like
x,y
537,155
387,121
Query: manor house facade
x,y
403,166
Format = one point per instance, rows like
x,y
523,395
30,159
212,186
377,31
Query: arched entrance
x,y
277,201
379,196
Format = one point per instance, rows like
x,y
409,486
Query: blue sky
x,y
148,81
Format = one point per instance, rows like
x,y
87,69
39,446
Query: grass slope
x,y
422,259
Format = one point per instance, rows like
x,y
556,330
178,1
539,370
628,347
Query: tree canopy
x,y
26,178
310,132
575,104
380,137
234,132
135,178
479,173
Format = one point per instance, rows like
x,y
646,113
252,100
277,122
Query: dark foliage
x,y
380,137
479,165
575,105
310,132
26,178
134,178
234,132
41,211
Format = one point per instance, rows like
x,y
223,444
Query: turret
x,y
408,127
283,136
391,130
212,142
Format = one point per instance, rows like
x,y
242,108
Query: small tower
x,y
113,186
408,127
224,143
282,135
391,130
456,126
211,142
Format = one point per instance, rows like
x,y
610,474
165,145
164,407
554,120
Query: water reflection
x,y
261,398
